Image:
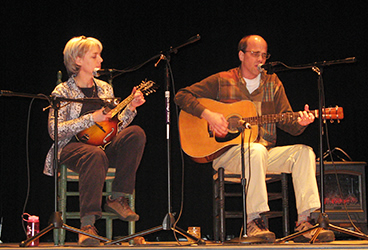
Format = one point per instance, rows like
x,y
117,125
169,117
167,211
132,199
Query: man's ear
x,y
241,55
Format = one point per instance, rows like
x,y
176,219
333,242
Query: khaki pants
x,y
299,160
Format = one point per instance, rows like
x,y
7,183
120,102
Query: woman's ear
x,y
78,61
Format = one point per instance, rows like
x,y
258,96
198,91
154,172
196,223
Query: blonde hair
x,y
78,47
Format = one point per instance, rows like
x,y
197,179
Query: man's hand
x,y
305,117
217,122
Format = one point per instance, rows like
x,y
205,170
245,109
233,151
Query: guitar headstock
x,y
332,114
147,87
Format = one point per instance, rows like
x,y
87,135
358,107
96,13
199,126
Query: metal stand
x,y
245,239
55,221
323,221
169,220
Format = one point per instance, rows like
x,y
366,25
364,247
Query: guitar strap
x,y
90,93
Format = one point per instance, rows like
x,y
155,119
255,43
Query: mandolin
x,y
102,133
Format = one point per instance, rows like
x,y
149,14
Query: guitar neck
x,y
274,118
145,87
122,105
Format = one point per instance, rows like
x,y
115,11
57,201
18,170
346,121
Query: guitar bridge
x,y
84,138
100,127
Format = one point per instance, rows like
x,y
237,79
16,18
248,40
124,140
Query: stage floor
x,y
338,244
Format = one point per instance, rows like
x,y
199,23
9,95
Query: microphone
x,y
259,67
244,124
162,57
101,72
268,66
193,39
6,93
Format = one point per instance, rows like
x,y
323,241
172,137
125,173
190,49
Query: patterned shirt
x,y
70,120
229,86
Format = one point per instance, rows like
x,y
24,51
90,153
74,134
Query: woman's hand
x,y
138,99
101,116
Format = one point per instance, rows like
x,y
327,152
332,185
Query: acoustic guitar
x,y
102,133
200,143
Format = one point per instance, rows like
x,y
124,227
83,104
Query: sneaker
x,y
87,241
257,228
323,236
120,206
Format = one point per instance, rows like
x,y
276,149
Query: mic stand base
x,y
167,224
56,222
323,223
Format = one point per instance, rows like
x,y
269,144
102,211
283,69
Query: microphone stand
x,y
245,239
169,220
55,220
323,221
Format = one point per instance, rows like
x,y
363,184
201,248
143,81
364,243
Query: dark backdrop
x,y
34,34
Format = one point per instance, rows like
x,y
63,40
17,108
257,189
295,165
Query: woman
x,y
82,56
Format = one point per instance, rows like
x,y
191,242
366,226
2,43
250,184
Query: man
x,y
267,93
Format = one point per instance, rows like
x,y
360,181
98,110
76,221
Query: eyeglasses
x,y
258,53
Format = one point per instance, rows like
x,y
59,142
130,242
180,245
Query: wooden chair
x,y
220,193
68,176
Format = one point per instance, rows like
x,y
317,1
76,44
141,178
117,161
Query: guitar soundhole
x,y
233,131
233,123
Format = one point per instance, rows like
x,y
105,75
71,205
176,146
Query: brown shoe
x,y
323,236
120,206
87,241
257,228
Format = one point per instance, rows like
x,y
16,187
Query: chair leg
x,y
219,225
131,224
59,234
285,204
108,228
221,177
215,211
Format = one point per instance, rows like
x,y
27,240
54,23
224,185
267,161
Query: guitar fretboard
x,y
328,114
121,105
272,118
